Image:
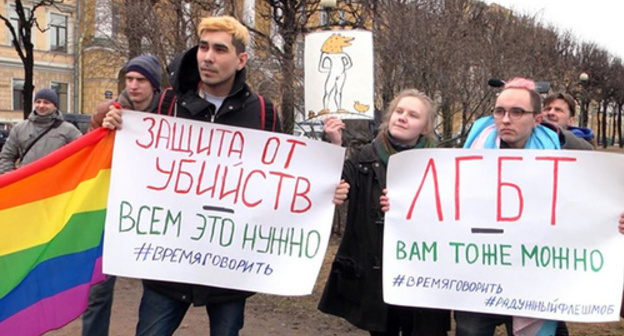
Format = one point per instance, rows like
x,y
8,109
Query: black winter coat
x,y
354,287
240,108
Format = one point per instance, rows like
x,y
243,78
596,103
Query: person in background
x,y
354,287
142,92
560,109
42,133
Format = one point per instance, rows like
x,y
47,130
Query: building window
x,y
18,94
58,32
61,90
107,19
15,22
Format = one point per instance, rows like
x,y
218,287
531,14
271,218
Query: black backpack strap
x,y
55,124
268,114
167,102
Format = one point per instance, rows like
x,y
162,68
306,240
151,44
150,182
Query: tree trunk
x,y
603,124
613,128
29,64
289,84
447,122
619,125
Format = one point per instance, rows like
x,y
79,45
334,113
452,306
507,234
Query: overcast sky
x,y
599,21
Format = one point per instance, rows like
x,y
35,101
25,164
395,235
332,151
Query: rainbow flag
x,y
52,215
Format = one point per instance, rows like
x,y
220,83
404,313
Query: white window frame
x,y
51,31
11,11
66,100
13,80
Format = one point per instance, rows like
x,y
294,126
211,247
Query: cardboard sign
x,y
514,232
339,75
210,204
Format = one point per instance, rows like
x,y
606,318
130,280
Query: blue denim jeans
x,y
480,324
96,319
160,315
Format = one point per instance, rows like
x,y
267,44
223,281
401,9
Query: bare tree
x,y
163,28
21,39
617,69
275,50
278,31
445,48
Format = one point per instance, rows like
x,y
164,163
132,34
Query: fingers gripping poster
x,y
339,75
209,204
514,232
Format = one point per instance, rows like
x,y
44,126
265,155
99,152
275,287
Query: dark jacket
x,y
567,138
574,142
353,289
241,108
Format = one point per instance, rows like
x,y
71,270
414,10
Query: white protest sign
x,y
339,75
514,232
210,204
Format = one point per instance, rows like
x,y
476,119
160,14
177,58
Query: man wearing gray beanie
x,y
142,90
148,66
42,133
49,95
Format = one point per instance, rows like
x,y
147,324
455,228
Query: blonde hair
x,y
428,132
228,24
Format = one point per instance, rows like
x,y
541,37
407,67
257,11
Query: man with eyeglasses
x,y
515,123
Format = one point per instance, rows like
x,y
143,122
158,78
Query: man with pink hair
x,y
515,123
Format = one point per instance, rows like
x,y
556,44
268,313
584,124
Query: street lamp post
x,y
584,80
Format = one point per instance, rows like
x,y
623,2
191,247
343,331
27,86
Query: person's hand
x,y
112,120
333,127
621,223
384,201
342,192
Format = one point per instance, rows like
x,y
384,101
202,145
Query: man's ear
x,y
242,60
572,121
538,118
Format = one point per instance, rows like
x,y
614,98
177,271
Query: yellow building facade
x,y
54,58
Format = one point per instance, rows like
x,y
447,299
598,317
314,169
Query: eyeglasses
x,y
514,112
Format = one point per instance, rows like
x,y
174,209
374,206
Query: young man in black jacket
x,y
141,93
209,84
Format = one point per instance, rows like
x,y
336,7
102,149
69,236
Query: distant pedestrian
x,y
42,133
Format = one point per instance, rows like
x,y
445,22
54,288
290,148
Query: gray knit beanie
x,y
148,66
49,95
